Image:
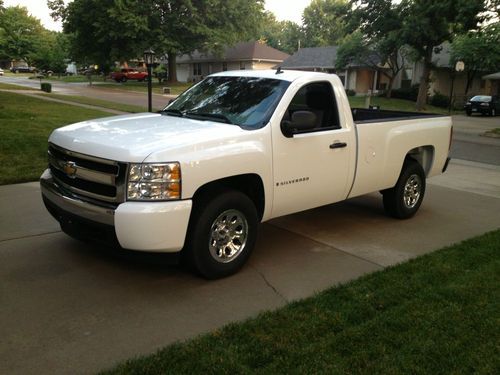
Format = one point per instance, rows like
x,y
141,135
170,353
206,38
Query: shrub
x,y
440,100
407,93
350,92
47,87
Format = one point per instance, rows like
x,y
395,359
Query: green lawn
x,y
396,105
99,103
9,86
73,78
26,124
437,314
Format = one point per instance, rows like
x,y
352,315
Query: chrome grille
x,y
97,180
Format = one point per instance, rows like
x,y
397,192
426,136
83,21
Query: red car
x,y
128,73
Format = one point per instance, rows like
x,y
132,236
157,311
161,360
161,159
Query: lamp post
x,y
149,56
459,67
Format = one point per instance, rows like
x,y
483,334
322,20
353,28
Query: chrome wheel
x,y
228,236
412,190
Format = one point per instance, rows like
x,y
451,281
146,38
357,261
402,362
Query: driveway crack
x,y
268,283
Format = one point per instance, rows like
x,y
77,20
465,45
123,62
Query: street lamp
x,y
459,67
149,56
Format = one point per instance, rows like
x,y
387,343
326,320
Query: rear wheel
x,y
124,79
404,199
222,234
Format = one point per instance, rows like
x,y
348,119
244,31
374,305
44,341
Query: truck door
x,y
314,167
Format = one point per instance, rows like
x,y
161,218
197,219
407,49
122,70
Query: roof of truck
x,y
284,75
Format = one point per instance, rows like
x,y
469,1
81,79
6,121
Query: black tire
x,y
241,216
124,79
404,199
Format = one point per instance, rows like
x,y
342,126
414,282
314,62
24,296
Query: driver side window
x,y
319,99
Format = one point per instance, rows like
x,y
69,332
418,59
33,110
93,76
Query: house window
x,y
197,69
224,66
242,65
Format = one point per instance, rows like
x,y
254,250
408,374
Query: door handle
x,y
338,145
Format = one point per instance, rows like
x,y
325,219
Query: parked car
x,y
1,72
128,73
23,69
483,104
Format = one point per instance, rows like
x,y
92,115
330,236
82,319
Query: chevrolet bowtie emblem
x,y
70,169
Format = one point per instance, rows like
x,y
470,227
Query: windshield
x,y
481,98
245,101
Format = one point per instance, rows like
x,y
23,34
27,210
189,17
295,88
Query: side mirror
x,y
301,120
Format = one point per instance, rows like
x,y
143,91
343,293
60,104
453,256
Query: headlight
x,y
154,182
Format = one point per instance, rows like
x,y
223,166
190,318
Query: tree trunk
x,y
470,77
172,67
389,87
424,80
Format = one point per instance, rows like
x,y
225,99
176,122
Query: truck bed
x,y
363,115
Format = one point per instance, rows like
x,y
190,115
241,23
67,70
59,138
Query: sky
x,y
283,9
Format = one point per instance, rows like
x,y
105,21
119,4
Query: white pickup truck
x,y
234,150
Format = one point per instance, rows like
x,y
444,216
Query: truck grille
x,y
99,181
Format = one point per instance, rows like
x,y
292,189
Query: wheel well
x,y
249,184
424,155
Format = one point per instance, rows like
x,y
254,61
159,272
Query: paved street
x,y
68,307
83,89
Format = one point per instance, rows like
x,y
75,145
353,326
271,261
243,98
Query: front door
x,y
313,168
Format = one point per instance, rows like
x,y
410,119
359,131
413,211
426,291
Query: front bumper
x,y
143,226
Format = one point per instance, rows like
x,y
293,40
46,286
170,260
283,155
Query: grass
x,y
9,86
396,105
98,103
73,78
437,314
176,88
26,124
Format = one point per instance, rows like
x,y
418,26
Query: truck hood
x,y
131,138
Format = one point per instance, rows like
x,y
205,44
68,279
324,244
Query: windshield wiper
x,y
215,116
173,112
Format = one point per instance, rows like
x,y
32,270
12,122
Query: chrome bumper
x,y
55,194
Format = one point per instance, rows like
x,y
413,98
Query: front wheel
x,y
222,234
404,199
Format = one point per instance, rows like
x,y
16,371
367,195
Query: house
x,y
492,84
245,55
358,77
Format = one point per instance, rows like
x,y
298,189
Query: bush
x,y
47,87
440,100
350,92
407,94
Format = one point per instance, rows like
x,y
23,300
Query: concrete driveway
x,y
68,307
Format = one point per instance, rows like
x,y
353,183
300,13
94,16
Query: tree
x,y
282,35
325,22
480,51
377,42
52,53
183,26
103,31
429,23
20,34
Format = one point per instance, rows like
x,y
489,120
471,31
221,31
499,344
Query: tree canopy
x,y
20,34
325,22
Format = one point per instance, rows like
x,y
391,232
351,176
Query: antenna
x,y
279,71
